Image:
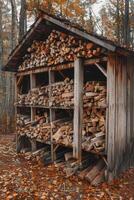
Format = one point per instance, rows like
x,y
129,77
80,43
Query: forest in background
x,y
113,19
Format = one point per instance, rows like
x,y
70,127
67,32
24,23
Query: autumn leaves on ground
x,y
22,179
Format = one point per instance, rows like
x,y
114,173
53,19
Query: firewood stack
x,y
36,96
64,133
23,120
62,93
94,94
94,112
39,129
58,48
93,134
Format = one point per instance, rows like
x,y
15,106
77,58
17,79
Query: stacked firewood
x,y
23,120
58,48
93,134
63,132
36,96
40,128
62,93
94,112
94,94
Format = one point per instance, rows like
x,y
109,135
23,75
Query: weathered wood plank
x,y
119,116
78,107
111,115
32,85
60,67
52,112
130,110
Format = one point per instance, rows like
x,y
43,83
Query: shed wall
x,y
120,84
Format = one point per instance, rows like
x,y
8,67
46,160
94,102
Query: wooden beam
x,y
101,69
78,107
32,85
17,136
19,80
32,81
60,67
52,112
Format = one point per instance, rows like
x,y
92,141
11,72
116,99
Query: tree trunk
x,y
118,22
14,27
126,24
23,20
1,40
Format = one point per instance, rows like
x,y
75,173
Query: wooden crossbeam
x,y
19,80
101,69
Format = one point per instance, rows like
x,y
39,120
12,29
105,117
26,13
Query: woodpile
x,y
40,128
93,134
58,48
62,93
64,133
35,97
94,94
95,173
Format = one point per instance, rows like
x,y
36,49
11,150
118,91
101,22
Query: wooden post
x,y
78,107
18,147
52,113
117,118
33,110
32,85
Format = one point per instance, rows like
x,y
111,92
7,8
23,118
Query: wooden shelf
x,y
70,146
58,67
47,107
58,107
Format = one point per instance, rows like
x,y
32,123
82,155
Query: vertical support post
x,y
33,110
32,81
32,85
52,113
17,137
78,107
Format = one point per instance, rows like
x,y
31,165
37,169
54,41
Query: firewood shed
x,y
74,90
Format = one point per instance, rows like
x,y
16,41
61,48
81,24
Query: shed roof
x,y
42,28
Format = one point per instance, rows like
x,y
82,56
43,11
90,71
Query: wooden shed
x,y
61,70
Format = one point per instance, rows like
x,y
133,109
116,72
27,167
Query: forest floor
x,y
22,179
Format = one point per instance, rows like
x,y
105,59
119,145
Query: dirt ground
x,y
22,179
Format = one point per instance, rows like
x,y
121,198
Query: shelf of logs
x,y
86,129
58,48
62,96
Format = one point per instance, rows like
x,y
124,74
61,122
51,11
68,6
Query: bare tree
x,y
22,19
14,26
